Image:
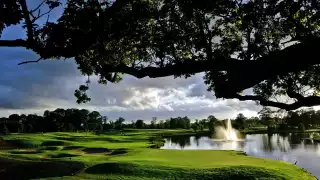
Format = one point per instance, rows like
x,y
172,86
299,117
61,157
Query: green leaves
x,y
81,95
10,13
53,3
107,39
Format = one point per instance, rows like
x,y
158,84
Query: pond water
x,y
291,147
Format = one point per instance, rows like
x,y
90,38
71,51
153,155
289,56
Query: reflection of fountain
x,y
228,133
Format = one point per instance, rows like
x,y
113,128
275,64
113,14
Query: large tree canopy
x,y
268,45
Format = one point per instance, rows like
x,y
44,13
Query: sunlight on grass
x,y
116,156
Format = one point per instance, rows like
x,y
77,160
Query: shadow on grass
x,y
49,148
96,150
63,155
53,143
71,138
111,167
72,147
151,171
107,139
22,170
119,151
10,144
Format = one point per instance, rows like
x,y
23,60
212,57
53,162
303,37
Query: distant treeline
x,y
53,121
70,120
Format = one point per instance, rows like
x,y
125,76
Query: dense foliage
x,y
71,120
265,45
54,121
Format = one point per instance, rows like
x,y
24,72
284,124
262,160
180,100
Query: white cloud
x,y
48,85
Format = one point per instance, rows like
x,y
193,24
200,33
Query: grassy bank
x,y
128,156
264,130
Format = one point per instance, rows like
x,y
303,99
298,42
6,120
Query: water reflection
x,y
290,147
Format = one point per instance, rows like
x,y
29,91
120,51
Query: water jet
x,y
226,133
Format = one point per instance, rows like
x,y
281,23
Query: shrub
x,y
283,127
271,128
301,127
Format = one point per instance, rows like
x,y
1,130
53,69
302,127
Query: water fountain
x,y
226,134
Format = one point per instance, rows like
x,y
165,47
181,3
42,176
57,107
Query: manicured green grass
x,y
129,156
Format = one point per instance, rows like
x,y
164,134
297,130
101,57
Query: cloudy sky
x,y
33,88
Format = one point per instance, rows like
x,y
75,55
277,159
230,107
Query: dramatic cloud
x,y
32,88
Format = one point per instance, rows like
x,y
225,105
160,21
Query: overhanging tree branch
x,y
241,74
26,62
13,43
304,102
28,22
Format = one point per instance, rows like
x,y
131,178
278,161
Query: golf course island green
x,y
128,155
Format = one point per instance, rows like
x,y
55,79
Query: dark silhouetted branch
x,y
241,74
13,43
304,102
28,22
27,62
35,9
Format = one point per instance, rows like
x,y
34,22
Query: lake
x,y
291,147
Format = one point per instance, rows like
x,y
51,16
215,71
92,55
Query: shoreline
x,y
206,133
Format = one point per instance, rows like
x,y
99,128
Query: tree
x,y
265,115
241,121
14,123
293,118
104,119
181,123
233,42
153,123
253,121
84,116
95,120
140,124
167,124
173,123
119,122
132,125
211,123
203,123
5,130
161,124
59,116
187,122
195,127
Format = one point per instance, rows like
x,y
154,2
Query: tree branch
x,y
35,9
241,74
13,43
304,102
291,59
208,44
177,69
27,62
40,15
291,92
26,15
